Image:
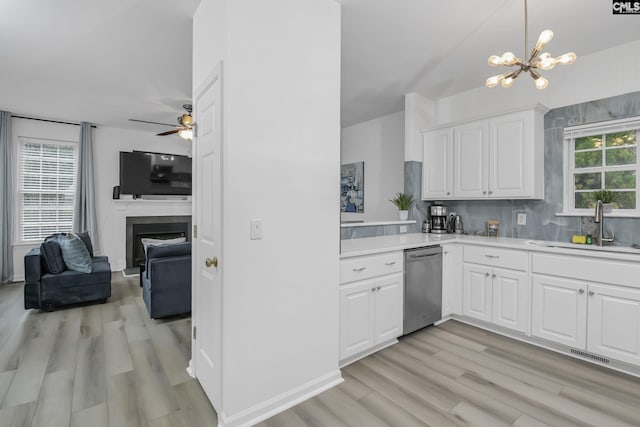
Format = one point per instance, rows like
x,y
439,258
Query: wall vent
x,y
590,356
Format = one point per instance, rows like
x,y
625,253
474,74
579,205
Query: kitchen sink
x,y
563,245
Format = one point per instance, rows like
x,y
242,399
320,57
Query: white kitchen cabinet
x,y
572,305
559,310
471,160
437,165
371,303
613,324
451,280
493,293
500,157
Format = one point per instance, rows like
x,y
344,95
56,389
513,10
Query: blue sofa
x,y
166,280
45,290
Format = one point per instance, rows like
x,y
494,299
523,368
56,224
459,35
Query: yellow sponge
x,y
578,239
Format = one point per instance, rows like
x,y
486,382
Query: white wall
x,y
108,142
380,144
599,75
420,113
281,156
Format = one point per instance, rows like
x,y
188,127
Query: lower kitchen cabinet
x,y
451,280
496,295
559,310
370,313
600,318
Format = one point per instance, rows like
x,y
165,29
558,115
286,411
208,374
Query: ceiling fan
x,y
184,128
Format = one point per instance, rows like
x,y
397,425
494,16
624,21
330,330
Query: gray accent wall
x,y
542,222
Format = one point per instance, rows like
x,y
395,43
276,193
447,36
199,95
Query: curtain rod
x,y
50,121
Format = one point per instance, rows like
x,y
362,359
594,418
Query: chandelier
x,y
535,63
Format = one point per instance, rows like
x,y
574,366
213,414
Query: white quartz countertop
x,y
374,245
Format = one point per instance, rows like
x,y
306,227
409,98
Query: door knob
x,y
209,262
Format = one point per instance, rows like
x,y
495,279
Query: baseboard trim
x,y
268,408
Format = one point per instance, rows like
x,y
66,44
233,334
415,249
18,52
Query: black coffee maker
x,y
439,219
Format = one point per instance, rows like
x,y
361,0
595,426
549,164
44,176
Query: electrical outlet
x,y
403,228
256,229
522,218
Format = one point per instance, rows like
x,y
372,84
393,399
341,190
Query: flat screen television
x,y
143,173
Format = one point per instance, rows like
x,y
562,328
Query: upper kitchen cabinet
x,y
437,166
500,157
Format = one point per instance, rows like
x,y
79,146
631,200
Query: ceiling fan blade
x,y
153,123
169,132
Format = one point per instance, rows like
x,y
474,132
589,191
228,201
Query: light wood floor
x,y
110,365
96,365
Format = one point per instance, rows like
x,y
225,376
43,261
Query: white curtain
x,y
6,196
84,213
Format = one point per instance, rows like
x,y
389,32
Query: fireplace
x,y
155,227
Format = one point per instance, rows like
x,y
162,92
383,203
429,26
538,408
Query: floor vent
x,y
590,356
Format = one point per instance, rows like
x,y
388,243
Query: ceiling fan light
x,y
566,59
186,134
545,37
508,58
541,83
494,61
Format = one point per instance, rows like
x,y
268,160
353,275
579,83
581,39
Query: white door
x,y
510,167
356,317
559,310
614,322
471,158
476,292
437,172
388,308
207,268
510,299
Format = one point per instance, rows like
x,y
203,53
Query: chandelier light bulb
x,y
494,80
545,37
507,83
547,64
508,58
566,59
541,83
494,60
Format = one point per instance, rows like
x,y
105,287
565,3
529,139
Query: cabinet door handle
x,y
373,289
490,192
484,192
359,269
493,276
389,263
591,293
378,288
486,274
448,194
581,291
493,256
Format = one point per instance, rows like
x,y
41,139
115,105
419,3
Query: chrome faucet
x,y
599,219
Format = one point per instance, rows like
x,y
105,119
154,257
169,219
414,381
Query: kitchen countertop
x,y
373,245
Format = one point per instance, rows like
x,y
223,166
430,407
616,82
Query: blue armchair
x,y
166,280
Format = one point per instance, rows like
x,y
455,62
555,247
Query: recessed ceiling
x,y
108,61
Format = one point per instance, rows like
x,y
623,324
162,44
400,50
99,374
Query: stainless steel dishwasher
x,y
422,287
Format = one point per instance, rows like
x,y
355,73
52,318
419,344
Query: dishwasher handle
x,y
423,256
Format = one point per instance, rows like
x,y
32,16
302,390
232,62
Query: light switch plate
x,y
256,229
522,218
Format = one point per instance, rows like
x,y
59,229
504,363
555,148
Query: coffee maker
x,y
438,219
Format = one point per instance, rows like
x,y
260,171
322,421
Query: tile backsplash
x,y
542,222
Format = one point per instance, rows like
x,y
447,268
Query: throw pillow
x,y
148,241
75,254
52,256
84,236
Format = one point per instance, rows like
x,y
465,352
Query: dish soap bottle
x,y
589,239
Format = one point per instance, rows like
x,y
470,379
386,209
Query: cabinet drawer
x,y
494,257
364,267
587,269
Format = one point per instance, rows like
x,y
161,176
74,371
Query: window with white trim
x,y
602,156
46,187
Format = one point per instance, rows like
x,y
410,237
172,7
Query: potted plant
x,y
608,198
403,201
